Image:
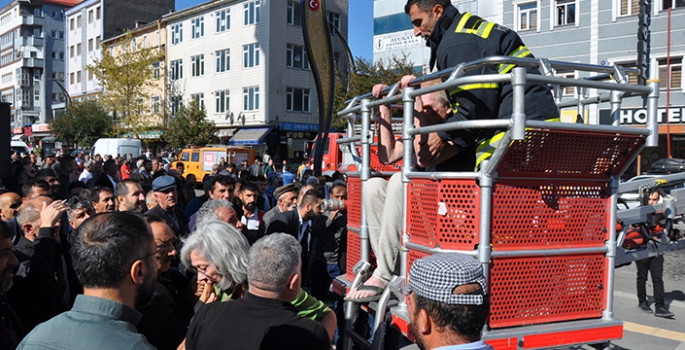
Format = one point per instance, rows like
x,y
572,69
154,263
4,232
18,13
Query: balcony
x,y
32,62
33,41
32,20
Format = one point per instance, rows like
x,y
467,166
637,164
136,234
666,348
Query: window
x,y
78,21
629,7
223,60
90,16
78,77
97,12
294,14
528,16
334,22
37,12
251,55
195,157
223,20
298,100
197,65
90,75
90,45
672,4
145,41
566,90
176,69
36,95
336,59
199,98
61,97
392,23
566,12
61,76
53,13
53,34
176,103
154,103
155,70
251,98
37,32
221,101
296,57
177,33
78,49
54,96
251,12
97,42
53,54
675,73
61,34
71,51
198,27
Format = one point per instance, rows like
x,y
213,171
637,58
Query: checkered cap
x,y
435,277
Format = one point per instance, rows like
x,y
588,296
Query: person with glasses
x,y
114,258
165,316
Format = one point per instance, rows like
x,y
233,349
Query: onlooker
x,y
35,188
166,195
68,172
9,203
79,210
286,200
41,286
654,266
287,176
113,257
50,176
49,161
298,223
75,188
218,209
86,174
448,302
11,329
266,314
96,169
163,322
131,196
150,200
102,199
108,178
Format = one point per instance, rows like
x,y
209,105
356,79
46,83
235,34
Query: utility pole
x,y
643,41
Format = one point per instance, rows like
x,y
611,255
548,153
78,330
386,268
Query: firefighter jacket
x,y
459,38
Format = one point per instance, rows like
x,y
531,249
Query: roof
x,y
63,2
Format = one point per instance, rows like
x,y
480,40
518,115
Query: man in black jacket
x,y
298,223
11,329
166,195
41,286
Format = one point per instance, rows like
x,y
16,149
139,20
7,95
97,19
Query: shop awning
x,y
251,136
17,137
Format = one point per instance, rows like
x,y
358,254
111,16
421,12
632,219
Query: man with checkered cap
x,y
448,302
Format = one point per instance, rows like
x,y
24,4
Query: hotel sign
x,y
638,116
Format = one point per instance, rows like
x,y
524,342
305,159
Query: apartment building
x,y
245,62
91,22
31,59
152,37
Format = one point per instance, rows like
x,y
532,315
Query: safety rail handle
x,y
527,62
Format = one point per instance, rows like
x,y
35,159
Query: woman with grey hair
x,y
219,253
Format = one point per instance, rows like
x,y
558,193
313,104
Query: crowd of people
x,y
200,253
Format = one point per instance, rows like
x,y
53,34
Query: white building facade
x,y
246,63
31,59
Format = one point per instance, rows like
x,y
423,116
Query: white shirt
x,y
85,176
252,221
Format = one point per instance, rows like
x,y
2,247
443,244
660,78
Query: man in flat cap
x,y
448,302
286,200
166,195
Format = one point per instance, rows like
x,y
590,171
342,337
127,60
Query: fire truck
x,y
540,215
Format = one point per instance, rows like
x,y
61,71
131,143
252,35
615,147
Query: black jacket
x,y
40,280
289,222
459,38
180,215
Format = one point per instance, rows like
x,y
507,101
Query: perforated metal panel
x,y
554,215
354,204
444,213
376,165
412,255
587,155
527,291
354,253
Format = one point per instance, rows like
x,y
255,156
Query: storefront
x,y
284,140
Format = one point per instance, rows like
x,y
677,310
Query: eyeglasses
x,y
167,244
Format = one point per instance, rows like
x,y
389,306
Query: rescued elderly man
x,y
448,302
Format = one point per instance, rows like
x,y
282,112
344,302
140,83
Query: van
x,y
199,161
20,147
117,147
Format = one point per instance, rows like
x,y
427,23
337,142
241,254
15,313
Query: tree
x,y
82,124
362,79
189,126
126,74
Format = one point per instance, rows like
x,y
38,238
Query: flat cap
x,y
163,183
284,189
435,277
